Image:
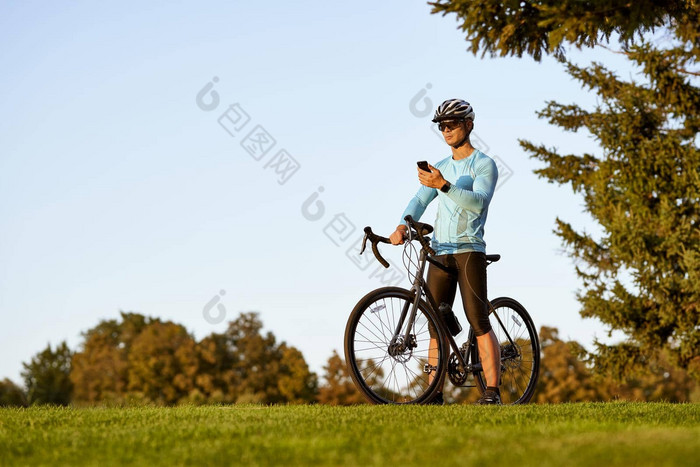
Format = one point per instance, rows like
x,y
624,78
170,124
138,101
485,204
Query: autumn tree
x,y
564,376
296,383
662,382
267,372
339,388
642,275
100,367
567,376
216,380
11,395
145,359
162,363
47,376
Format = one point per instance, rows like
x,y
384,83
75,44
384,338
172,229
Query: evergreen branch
x,y
688,72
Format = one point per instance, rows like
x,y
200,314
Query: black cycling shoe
x,y
489,398
436,400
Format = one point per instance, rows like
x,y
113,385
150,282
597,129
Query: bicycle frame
x,y
419,289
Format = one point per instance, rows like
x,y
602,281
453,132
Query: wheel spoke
x,y
520,367
381,346
387,368
378,330
379,339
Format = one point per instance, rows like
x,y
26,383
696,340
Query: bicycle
x,y
396,340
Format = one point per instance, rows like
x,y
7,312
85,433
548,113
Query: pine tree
x,y
642,275
541,27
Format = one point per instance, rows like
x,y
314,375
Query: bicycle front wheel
x,y
520,351
387,366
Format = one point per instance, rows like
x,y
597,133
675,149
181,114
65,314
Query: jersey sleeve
x,y
416,207
477,199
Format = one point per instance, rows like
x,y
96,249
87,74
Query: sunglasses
x,y
451,125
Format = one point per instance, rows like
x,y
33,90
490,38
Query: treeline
x,y
138,359
142,360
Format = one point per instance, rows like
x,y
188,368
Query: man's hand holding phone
x,y
430,176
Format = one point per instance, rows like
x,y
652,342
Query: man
x,y
464,184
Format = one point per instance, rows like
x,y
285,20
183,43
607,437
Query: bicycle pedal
x,y
428,368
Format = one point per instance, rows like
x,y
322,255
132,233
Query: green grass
x,y
542,435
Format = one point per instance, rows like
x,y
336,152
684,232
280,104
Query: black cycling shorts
x,y
469,271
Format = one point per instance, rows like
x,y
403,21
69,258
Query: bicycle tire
x,y
520,364
384,378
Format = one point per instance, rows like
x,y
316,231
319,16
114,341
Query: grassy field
x,y
543,435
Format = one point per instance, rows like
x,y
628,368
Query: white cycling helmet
x,y
454,109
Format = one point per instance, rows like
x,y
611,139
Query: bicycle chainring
x,y
457,375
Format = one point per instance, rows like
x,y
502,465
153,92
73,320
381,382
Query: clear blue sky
x,y
118,192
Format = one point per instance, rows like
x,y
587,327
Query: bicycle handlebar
x,y
418,230
374,238
421,230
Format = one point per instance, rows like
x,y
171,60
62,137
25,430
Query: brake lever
x,y
424,241
364,242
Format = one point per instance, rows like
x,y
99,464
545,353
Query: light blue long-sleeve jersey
x,y
459,226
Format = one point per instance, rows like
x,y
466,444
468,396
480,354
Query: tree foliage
x,y
11,395
265,371
642,275
216,377
534,28
143,359
566,376
46,376
338,388
162,363
100,368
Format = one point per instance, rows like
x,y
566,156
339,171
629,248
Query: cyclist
x,y
464,184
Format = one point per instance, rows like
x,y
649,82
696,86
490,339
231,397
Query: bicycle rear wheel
x,y
387,368
520,355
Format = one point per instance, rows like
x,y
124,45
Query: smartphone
x,y
423,165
